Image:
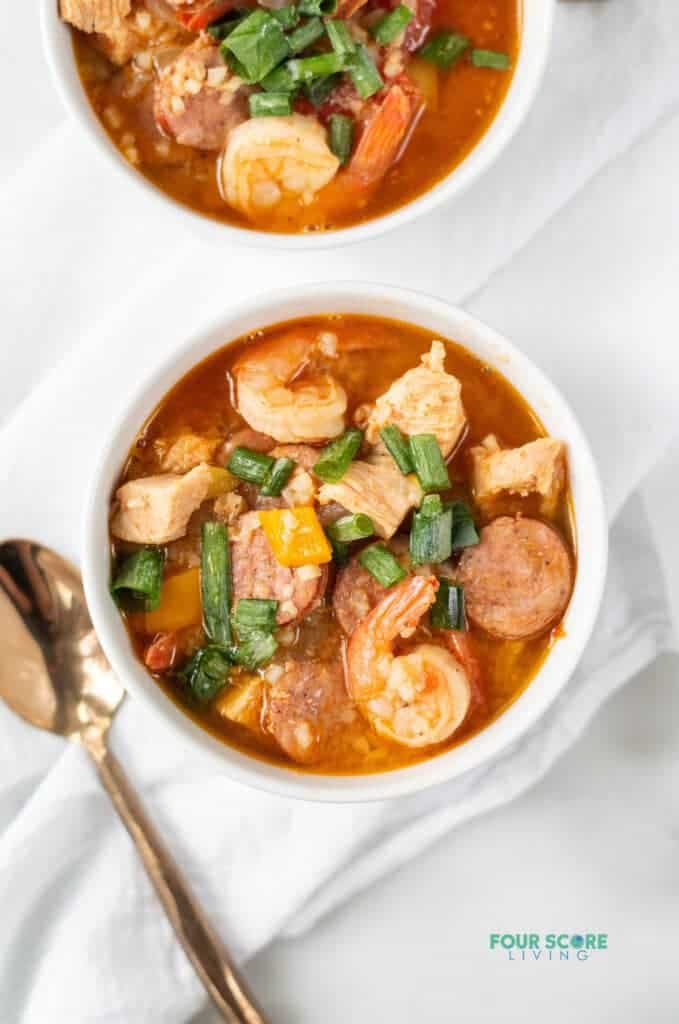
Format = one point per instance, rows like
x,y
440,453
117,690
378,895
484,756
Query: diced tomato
x,y
161,652
194,21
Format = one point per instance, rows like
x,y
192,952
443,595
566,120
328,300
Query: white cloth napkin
x,y
81,256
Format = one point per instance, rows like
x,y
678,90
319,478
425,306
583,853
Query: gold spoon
x,y
54,674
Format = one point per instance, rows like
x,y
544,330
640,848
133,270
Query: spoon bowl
x,y
54,674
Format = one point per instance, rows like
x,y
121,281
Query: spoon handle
x,y
202,946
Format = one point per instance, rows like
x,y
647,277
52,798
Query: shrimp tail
x,y
385,135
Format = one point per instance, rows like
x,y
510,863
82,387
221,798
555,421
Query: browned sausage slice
x,y
355,595
518,580
305,706
256,573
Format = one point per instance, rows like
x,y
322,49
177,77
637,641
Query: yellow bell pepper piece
x,y
296,536
222,482
180,605
426,78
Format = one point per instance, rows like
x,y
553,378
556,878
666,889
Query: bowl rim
x,y
537,17
539,392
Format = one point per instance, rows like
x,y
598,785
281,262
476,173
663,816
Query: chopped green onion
x,y
364,74
349,528
255,615
245,463
287,17
335,458
444,48
428,462
381,564
340,551
256,46
219,30
318,89
464,532
279,80
431,506
304,69
340,37
490,59
141,575
206,672
305,35
341,136
311,7
397,446
430,534
255,649
447,611
215,582
280,473
270,104
391,26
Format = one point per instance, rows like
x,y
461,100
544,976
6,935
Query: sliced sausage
x,y
197,99
518,580
355,595
256,573
305,705
245,438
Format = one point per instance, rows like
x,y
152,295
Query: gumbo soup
x,y
343,545
301,116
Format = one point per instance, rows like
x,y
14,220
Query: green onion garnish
x,y
141,576
397,446
340,551
391,26
255,614
245,463
428,462
447,611
206,672
381,564
430,534
340,38
464,532
335,458
490,59
280,473
318,89
305,35
219,30
311,7
270,104
363,72
255,650
215,582
279,80
444,48
256,46
287,17
341,136
349,528
304,69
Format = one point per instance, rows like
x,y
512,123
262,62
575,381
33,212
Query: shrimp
x,y
415,699
385,134
272,401
270,159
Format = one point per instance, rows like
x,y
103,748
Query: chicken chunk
x,y
425,400
95,15
378,489
157,509
185,452
538,467
228,507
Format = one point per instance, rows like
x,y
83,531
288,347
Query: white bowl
x,y
537,17
442,320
